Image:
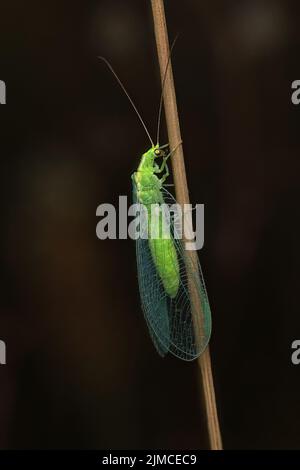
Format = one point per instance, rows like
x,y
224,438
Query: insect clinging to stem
x,y
178,322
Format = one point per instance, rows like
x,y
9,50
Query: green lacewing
x,y
178,322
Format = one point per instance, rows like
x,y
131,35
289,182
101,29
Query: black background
x,y
81,370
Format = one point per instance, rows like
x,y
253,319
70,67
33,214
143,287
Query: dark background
x,y
81,370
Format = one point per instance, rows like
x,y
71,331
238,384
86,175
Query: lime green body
x,y
148,187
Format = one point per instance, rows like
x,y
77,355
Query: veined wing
x,y
180,325
153,295
189,312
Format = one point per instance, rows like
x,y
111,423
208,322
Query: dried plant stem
x,y
182,196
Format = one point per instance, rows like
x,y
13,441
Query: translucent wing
x,y
153,297
179,325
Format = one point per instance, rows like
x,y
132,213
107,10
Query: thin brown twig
x,y
182,196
